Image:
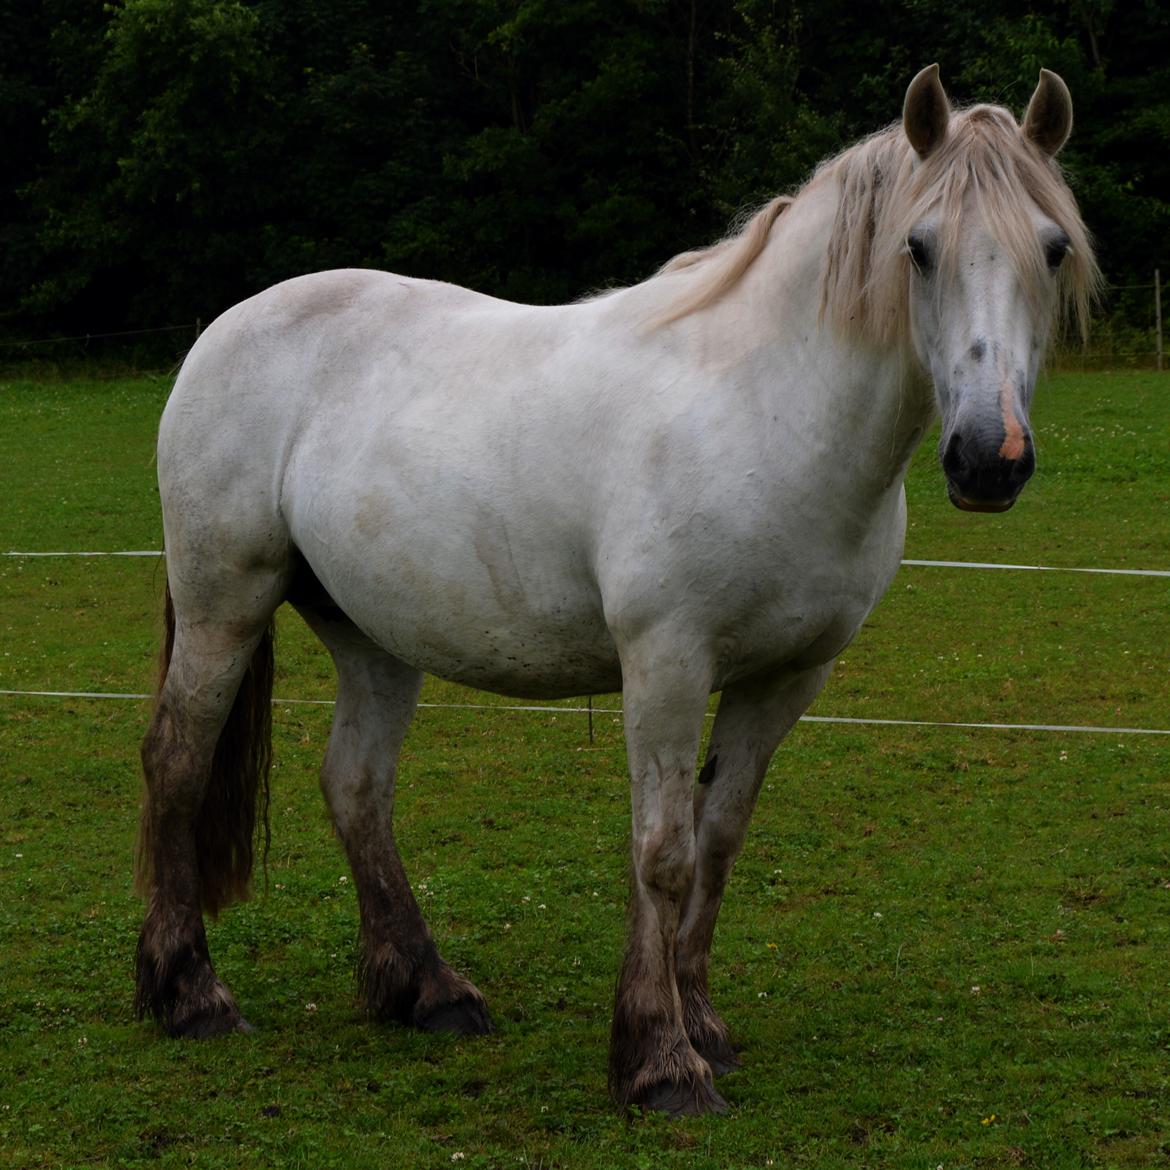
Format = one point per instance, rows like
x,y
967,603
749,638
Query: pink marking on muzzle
x,y
1014,435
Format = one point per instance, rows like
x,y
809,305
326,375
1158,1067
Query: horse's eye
x,y
919,253
1055,251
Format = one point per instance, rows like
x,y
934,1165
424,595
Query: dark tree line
x,y
165,158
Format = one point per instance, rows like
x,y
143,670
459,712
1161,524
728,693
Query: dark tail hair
x,y
226,826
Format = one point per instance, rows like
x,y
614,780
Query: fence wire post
x,y
1158,312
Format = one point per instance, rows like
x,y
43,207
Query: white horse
x,y
687,486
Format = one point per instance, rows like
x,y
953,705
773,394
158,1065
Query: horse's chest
x,y
794,632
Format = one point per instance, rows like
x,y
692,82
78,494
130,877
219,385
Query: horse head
x,y
987,249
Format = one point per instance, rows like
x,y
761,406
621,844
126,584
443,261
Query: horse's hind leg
x,y
401,973
205,764
753,718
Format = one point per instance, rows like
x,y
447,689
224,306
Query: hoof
x,y
205,1028
205,1025
685,1100
467,1016
187,1001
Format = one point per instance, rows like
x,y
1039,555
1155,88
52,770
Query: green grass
x,y
941,947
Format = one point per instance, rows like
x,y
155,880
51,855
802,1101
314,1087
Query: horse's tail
x,y
226,824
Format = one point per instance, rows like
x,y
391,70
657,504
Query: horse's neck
x,y
766,335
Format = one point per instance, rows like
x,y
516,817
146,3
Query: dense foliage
x,y
168,157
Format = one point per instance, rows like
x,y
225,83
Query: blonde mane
x,y
724,262
985,166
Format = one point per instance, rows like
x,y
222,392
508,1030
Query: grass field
x,y
942,947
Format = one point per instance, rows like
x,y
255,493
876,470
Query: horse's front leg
x,y
652,1063
753,718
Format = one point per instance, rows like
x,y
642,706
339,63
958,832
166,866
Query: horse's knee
x,y
664,862
359,798
719,845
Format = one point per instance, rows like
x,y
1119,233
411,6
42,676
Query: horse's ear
x,y
926,112
1048,121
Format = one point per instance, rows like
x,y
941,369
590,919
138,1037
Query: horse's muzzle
x,y
980,479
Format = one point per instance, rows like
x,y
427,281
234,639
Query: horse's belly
x,y
527,626
531,674
537,659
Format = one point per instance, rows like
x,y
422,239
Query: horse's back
x,y
340,350
338,323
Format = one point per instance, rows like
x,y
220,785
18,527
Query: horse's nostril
x,y
953,463
1023,467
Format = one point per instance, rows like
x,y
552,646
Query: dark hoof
x,y
464,1017
685,1100
208,1025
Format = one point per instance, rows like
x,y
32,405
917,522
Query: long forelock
x,y
984,167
